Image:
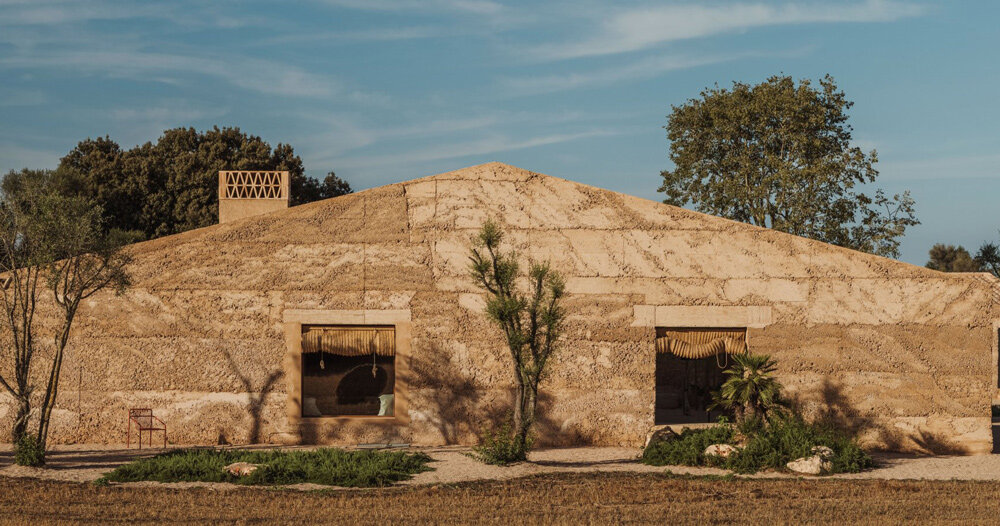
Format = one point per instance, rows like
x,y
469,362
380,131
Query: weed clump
x,y
500,447
28,451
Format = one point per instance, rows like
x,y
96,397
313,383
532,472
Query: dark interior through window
x,y
684,385
684,389
339,380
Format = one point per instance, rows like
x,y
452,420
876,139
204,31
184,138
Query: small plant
x,y
28,451
750,391
501,447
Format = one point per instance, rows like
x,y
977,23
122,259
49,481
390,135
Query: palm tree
x,y
750,390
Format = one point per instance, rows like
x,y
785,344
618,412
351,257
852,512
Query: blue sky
x,y
382,91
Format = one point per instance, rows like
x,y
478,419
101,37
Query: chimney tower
x,y
245,193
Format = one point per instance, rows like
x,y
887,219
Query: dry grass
x,y
562,499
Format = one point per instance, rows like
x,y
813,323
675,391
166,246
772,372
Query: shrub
x,y
330,466
501,447
28,451
770,445
688,448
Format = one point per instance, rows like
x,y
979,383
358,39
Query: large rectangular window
x,y
689,365
348,370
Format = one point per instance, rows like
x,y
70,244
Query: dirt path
x,y
82,463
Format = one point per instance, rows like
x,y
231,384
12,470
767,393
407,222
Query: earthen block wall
x,y
903,354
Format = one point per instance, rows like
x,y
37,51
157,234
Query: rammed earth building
x,y
355,320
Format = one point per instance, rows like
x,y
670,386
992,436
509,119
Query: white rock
x,y
720,450
822,451
814,465
240,469
658,434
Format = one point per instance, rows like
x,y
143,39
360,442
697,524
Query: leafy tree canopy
x,y
172,185
949,258
778,154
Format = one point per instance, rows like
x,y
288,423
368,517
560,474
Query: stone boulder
x,y
814,465
240,469
660,434
720,450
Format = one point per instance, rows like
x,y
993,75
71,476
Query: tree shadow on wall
x,y
458,407
828,405
449,394
255,397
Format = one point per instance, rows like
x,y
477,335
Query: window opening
x,y
689,369
348,371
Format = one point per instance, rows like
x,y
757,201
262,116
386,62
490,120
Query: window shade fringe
x,y
350,341
701,343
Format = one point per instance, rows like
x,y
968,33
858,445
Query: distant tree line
x,y
171,185
951,258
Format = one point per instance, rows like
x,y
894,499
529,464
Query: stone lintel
x,y
752,317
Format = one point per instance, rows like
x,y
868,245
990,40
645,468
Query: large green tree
x,y
171,185
778,154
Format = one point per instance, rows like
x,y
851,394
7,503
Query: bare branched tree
x,y
531,323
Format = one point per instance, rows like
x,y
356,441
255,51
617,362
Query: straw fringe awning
x,y
700,343
350,341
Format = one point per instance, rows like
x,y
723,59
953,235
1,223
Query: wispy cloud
x,y
157,114
22,98
484,146
649,67
481,7
14,157
253,74
380,34
637,29
41,12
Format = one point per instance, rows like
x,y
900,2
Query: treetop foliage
x,y
778,154
171,185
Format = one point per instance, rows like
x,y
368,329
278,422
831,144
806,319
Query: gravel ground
x,y
83,463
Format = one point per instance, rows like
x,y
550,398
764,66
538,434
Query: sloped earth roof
x,y
520,200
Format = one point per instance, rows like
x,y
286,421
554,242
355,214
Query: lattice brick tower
x,y
244,193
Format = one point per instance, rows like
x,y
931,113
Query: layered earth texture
x,y
903,354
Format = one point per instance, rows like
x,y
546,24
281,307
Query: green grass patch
x,y
329,466
766,447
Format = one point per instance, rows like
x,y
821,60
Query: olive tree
x,y
531,322
55,244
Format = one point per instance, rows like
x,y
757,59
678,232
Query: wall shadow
x,y
256,397
458,407
828,405
448,394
